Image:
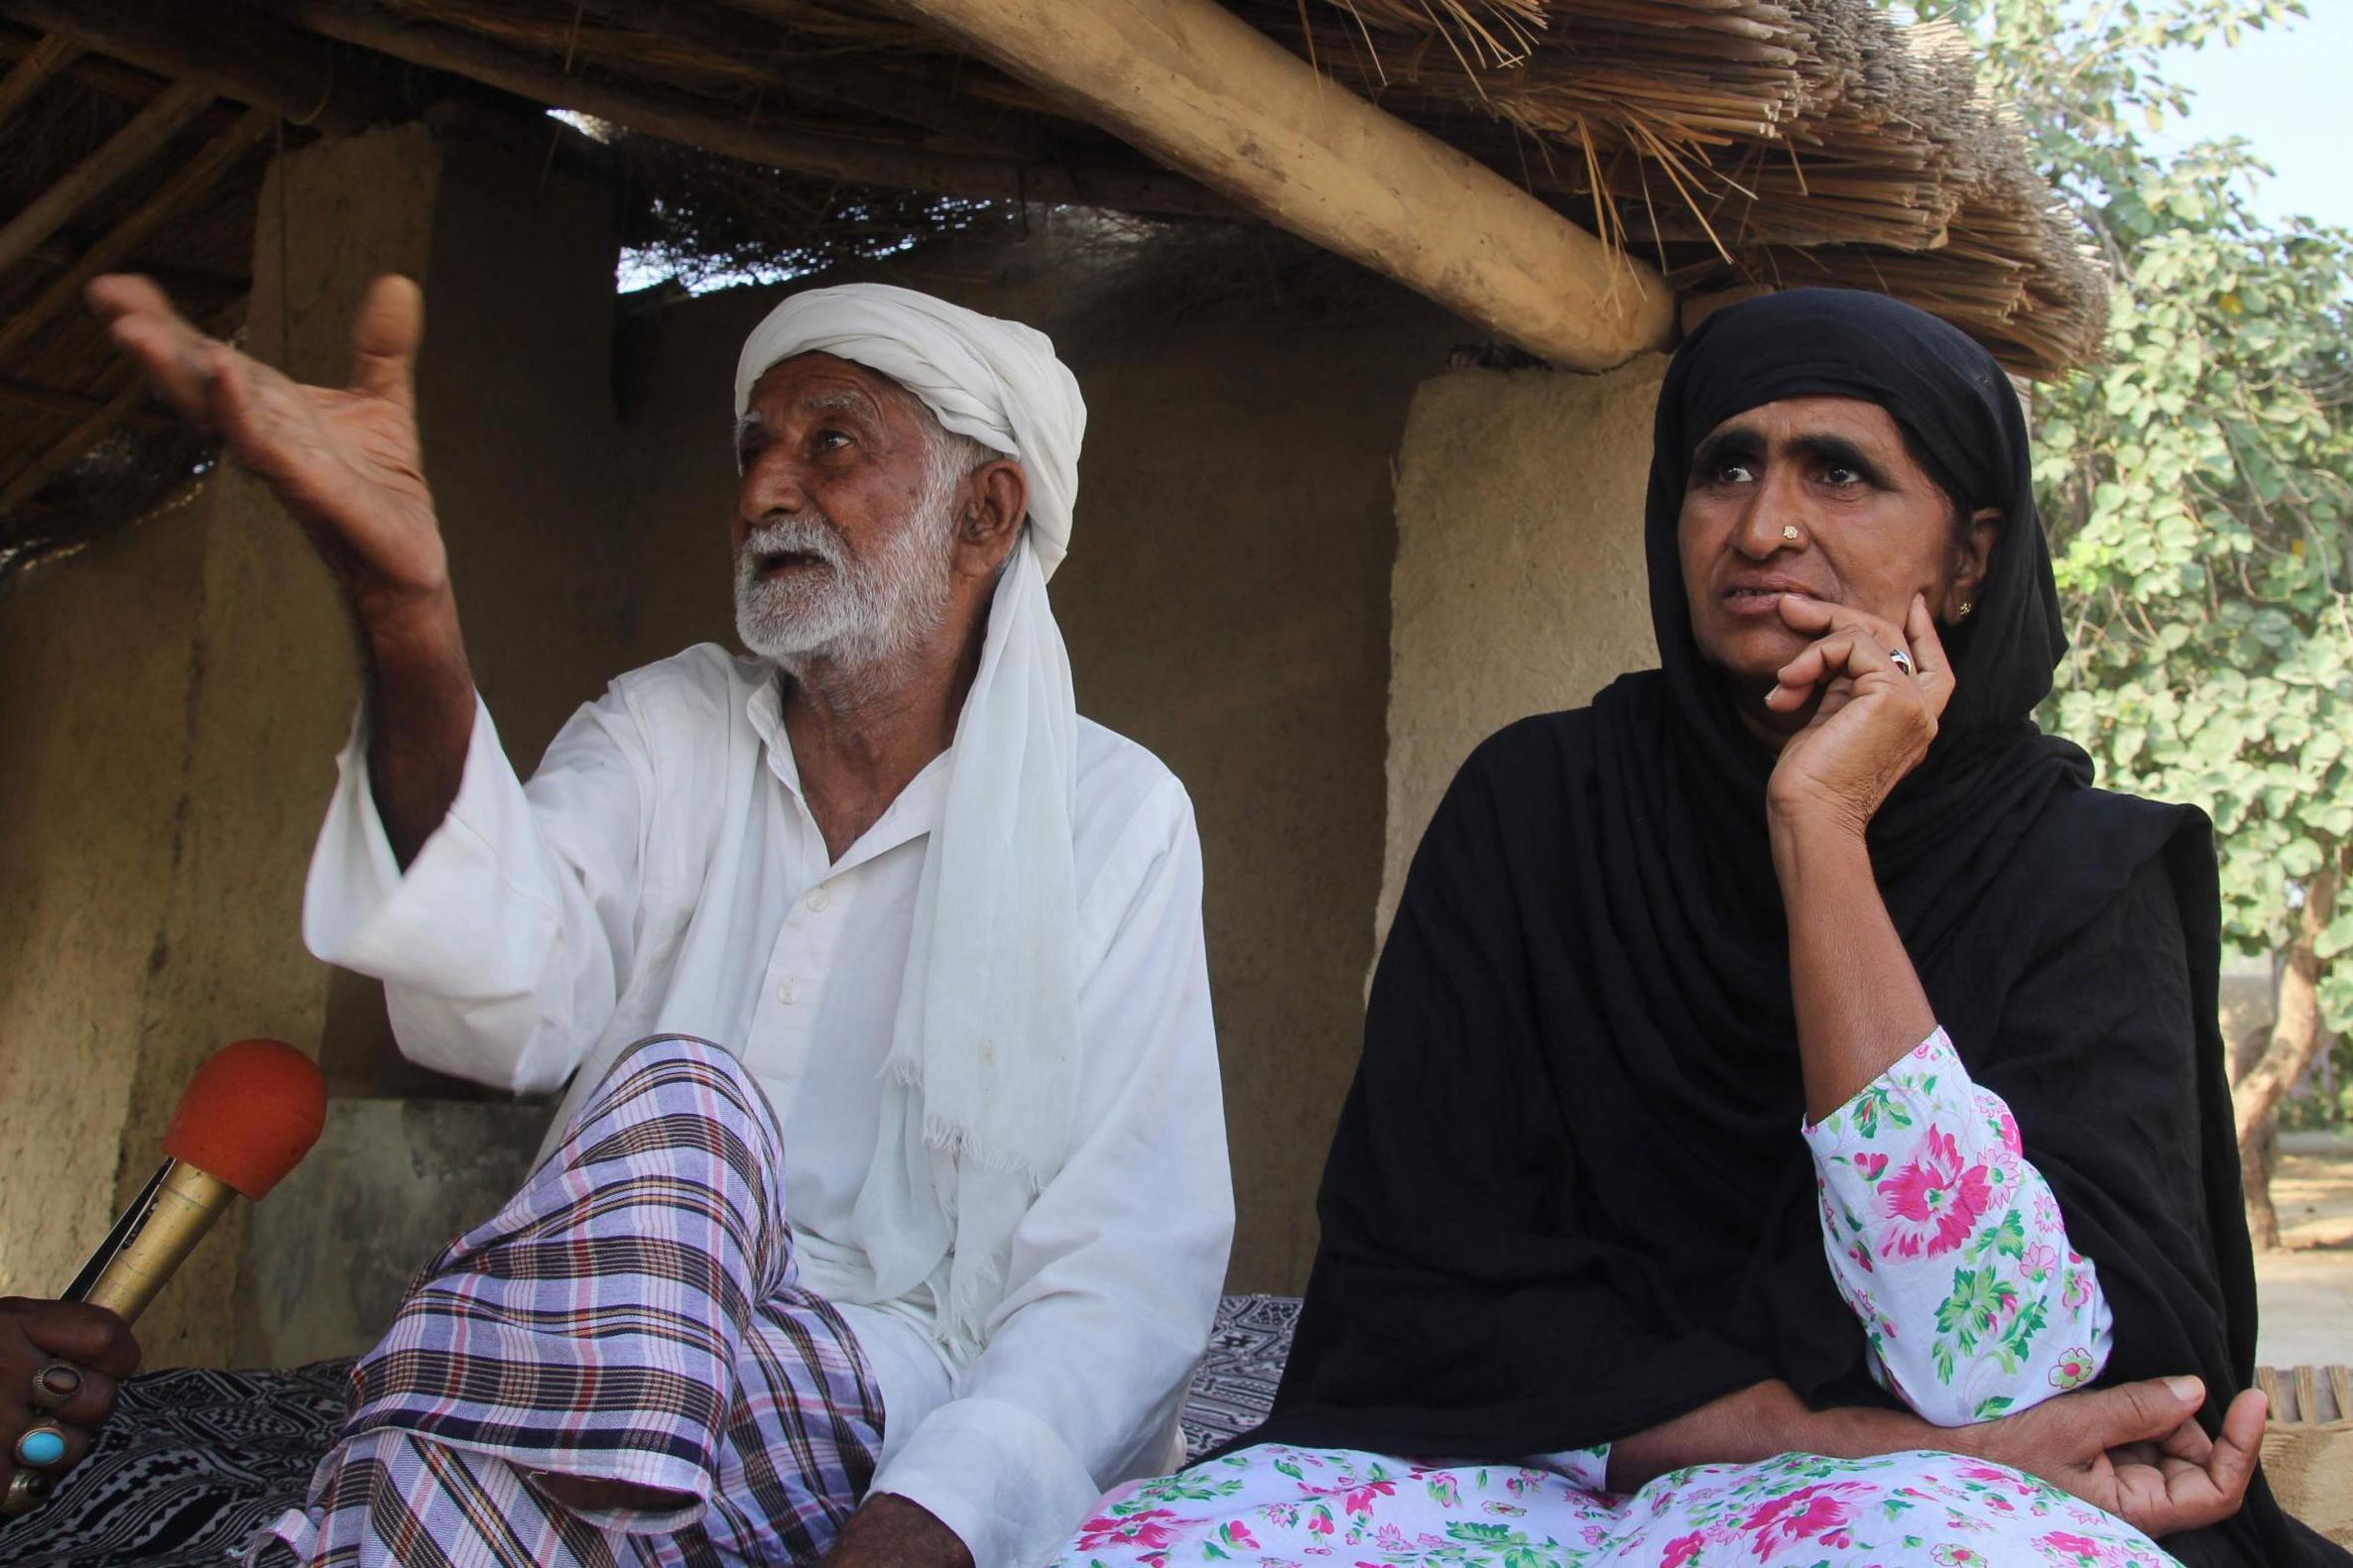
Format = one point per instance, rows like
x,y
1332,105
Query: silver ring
x,y
27,1490
1902,660
45,1395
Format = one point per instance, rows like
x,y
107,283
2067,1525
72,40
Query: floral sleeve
x,y
1589,1468
1949,1247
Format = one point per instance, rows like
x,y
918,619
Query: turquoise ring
x,y
41,1447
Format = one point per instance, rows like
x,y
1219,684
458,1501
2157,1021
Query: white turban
x,y
996,381
981,1089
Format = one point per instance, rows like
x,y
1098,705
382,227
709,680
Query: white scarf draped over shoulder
x,y
980,1090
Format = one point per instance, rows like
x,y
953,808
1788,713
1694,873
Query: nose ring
x,y
1789,531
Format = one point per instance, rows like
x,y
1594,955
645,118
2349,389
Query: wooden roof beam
x,y
120,398
204,290
119,156
55,458
852,82
188,183
1130,188
109,77
235,51
40,62
63,404
1198,89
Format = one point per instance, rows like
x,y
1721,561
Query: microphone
x,y
247,1118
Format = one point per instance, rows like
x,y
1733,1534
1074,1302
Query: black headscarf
x,y
1569,1200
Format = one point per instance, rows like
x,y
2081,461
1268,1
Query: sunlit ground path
x,y
2307,1287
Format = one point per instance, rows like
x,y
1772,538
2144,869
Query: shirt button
x,y
788,993
817,899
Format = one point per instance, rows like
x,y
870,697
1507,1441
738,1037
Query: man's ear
x,y
1972,549
989,517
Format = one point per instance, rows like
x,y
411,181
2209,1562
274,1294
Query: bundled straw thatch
x,y
1732,141
78,450
1770,140
1728,142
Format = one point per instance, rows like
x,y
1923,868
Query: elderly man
x,y
886,1212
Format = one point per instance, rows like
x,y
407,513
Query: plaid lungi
x,y
630,1316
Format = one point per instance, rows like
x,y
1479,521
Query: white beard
x,y
861,614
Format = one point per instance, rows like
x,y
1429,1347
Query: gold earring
x,y
1964,612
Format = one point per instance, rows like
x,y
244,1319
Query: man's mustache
x,y
801,535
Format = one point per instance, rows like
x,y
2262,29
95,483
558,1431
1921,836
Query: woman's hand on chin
x,y
2135,1450
1873,722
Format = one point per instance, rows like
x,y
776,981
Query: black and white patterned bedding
x,y
1234,1384
192,1462
195,1460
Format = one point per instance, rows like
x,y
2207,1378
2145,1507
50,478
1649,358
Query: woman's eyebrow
x,y
1737,440
1837,451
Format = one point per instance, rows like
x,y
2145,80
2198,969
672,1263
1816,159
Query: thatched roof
x,y
1782,142
60,391
1729,142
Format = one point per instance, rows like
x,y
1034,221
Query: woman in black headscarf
x,y
1790,1054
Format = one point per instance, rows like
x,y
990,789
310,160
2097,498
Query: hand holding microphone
x,y
247,1118
67,1357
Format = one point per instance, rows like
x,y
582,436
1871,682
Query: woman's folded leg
x,y
1275,1504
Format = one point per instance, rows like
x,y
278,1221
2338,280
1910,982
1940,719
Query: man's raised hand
x,y
345,463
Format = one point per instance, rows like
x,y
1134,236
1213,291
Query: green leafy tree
x,y
2200,488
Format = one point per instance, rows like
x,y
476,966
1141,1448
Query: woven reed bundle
x,y
1717,136
708,52
1775,133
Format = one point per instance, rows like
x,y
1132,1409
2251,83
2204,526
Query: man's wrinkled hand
x,y
2135,1450
85,1350
345,461
889,1531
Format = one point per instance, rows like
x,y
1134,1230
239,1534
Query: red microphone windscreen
x,y
250,1115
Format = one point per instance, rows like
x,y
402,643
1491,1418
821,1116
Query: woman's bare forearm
x,y
421,711
1758,1422
1858,999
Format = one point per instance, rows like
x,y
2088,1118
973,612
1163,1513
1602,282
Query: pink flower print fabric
x,y
1279,1506
1949,1248
1932,1202
1586,1467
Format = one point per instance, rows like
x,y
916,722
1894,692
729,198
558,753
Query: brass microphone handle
x,y
187,1202
186,1205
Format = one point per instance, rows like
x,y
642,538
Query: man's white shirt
x,y
662,874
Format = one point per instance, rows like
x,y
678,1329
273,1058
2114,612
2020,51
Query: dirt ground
x,y
2307,1288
